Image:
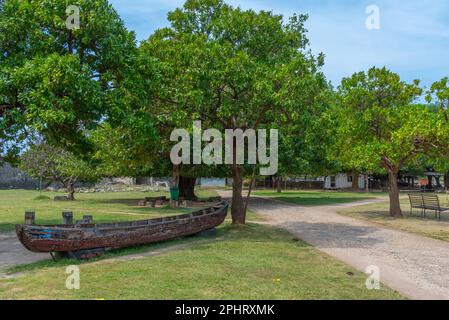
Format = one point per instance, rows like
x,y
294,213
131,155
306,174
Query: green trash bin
x,y
174,193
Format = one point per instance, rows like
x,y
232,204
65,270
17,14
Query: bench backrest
x,y
430,199
416,199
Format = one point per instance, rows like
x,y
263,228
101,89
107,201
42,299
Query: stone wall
x,y
12,178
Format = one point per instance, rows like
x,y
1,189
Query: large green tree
x,y
235,69
57,80
379,127
438,96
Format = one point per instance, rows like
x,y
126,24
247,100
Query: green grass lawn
x,y
251,262
428,226
316,198
114,206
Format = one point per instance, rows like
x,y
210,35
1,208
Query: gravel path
x,y
416,266
12,252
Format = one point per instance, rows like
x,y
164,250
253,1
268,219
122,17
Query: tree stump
x,y
67,218
30,217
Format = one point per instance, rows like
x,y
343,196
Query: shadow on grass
x,y
320,201
129,202
134,203
415,216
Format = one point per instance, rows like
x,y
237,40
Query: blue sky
x,y
413,39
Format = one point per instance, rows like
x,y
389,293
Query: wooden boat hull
x,y
74,238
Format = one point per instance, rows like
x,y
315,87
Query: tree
x,y
57,81
44,161
378,127
235,69
438,96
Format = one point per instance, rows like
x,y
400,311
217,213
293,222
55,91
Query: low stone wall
x,y
12,178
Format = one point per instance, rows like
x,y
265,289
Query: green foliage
x,y
376,124
438,95
234,68
59,82
228,67
55,164
41,198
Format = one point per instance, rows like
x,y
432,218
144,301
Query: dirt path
x,y
12,252
416,266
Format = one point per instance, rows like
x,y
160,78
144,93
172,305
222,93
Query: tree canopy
x,y
235,69
91,91
378,126
55,81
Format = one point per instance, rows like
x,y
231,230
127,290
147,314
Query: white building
x,y
212,182
342,181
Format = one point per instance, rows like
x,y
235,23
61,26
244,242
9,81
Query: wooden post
x,y
67,218
88,219
30,217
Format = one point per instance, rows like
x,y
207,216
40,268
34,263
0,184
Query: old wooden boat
x,y
86,239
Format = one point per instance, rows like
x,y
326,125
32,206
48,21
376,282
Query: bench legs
x,y
437,214
422,213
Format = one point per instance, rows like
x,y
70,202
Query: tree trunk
x,y
393,192
175,176
355,181
237,207
437,180
279,184
429,182
446,181
366,183
71,190
187,188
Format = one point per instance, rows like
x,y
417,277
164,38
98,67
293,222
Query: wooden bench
x,y
426,201
153,201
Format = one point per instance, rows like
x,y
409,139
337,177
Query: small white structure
x,y
212,182
342,181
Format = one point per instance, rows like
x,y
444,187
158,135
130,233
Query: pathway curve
x,y
416,266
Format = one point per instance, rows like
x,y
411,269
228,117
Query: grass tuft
x,y
41,198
